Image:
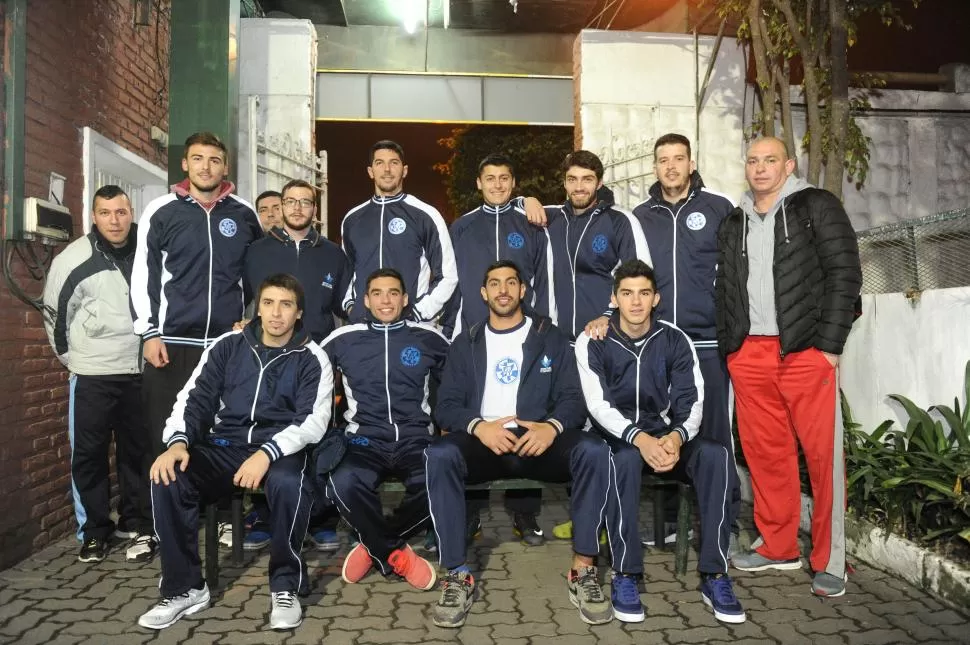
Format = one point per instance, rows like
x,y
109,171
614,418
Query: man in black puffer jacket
x,y
787,283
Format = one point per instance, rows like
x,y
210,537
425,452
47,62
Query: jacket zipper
x,y
573,261
387,386
259,380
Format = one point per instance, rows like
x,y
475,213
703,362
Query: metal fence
x,y
628,169
910,257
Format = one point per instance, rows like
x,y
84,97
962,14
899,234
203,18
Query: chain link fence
x,y
909,257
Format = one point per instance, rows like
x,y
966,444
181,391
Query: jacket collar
x,y
633,345
377,199
497,210
253,332
540,326
657,195
605,201
182,190
105,248
279,233
382,327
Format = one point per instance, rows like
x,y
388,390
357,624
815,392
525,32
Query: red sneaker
x,y
419,573
357,564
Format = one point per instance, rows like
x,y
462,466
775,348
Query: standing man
x,y
398,231
89,326
680,222
269,208
255,401
186,283
644,391
387,365
788,281
499,230
511,401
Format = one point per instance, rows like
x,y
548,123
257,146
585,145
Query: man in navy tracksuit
x,y
680,221
396,230
256,399
387,365
644,390
186,278
511,401
590,238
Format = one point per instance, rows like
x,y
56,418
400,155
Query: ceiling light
x,y
412,14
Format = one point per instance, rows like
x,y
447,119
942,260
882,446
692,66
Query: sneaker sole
x,y
431,583
254,547
837,594
141,558
282,626
456,623
780,566
625,617
343,574
90,559
734,619
586,619
188,611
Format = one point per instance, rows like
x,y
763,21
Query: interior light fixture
x,y
413,13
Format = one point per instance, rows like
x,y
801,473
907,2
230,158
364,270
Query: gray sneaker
x,y
169,610
828,586
754,561
457,596
287,612
586,594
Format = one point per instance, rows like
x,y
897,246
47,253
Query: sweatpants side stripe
x,y
80,513
619,515
836,562
434,521
722,548
296,514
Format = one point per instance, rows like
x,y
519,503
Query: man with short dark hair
x,y
788,284
255,401
269,208
511,401
89,326
644,391
387,366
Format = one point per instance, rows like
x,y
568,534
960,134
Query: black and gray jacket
x,y
86,298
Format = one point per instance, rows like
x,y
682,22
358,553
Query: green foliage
x,y
536,152
914,481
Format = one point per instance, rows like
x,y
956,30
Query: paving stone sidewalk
x,y
52,598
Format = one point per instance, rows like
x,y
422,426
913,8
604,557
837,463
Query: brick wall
x,y
87,65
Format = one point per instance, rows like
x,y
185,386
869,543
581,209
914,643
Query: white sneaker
x,y
171,609
670,534
225,534
142,549
287,612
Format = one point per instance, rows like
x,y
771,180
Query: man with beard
x,y
511,401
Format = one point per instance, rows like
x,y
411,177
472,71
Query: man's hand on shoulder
x,y
252,471
534,212
163,470
495,436
596,328
537,438
241,325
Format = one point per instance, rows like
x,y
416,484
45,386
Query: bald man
x,y
788,282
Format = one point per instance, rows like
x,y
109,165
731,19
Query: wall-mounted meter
x,y
47,220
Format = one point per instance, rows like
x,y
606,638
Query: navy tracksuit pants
x,y
209,478
704,464
459,458
353,488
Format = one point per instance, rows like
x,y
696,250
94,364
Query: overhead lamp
x,y
412,13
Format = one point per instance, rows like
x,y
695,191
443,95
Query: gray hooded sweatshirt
x,y
760,241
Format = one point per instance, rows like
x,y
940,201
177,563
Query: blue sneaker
x,y
257,538
626,599
325,540
718,594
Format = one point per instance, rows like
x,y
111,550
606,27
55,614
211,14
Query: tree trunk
x,y
814,112
839,102
765,81
784,91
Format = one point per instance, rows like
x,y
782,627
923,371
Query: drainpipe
x,y
15,95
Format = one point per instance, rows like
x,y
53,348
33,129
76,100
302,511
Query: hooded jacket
x,y
186,282
245,393
402,233
548,384
586,250
682,239
319,265
486,235
800,268
651,384
88,319
387,370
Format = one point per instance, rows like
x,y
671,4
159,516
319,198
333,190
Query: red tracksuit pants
x,y
780,401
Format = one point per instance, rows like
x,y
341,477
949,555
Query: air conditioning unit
x,y
43,219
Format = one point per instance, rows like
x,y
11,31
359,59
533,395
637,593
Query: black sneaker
x,y
141,549
93,550
473,528
525,526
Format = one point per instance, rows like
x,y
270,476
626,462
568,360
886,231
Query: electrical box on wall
x,y
46,221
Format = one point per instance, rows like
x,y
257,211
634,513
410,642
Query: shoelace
x,y
453,586
284,599
626,589
91,543
168,601
143,540
400,561
590,586
723,590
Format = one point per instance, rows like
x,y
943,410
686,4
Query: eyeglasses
x,y
292,203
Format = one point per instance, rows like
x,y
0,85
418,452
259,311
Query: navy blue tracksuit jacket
x,y
186,281
486,235
403,233
386,371
319,265
586,249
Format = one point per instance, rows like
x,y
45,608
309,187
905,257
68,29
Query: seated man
x,y
256,399
644,391
386,364
510,398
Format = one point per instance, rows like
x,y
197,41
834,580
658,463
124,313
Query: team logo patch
x,y
600,244
546,364
227,227
507,371
516,241
327,281
696,221
360,441
410,356
397,226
